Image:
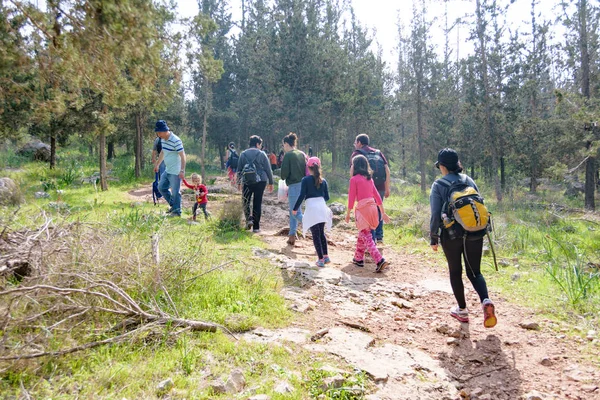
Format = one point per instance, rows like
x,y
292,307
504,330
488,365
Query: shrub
x,y
231,215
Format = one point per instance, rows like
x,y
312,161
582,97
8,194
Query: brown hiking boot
x,y
291,240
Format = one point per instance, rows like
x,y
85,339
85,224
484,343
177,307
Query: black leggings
x,y
255,192
319,239
472,249
203,207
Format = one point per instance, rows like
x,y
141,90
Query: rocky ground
x,y
395,326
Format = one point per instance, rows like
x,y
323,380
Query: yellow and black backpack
x,y
465,206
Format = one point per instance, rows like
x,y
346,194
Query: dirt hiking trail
x,y
396,325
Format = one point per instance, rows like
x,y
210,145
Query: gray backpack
x,y
250,174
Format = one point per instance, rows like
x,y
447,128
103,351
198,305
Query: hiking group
x,y
459,218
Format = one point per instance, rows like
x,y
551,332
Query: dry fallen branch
x,y
98,296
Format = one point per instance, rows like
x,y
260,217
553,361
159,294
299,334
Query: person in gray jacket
x,y
254,190
455,243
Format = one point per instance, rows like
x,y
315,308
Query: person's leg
x,y
453,253
293,194
206,213
246,195
194,210
163,188
361,246
323,238
472,256
377,233
175,183
371,246
161,169
315,231
259,190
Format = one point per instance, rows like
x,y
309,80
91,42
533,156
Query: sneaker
x,y
381,265
173,214
489,315
320,263
358,263
291,240
326,260
255,230
249,224
380,240
461,314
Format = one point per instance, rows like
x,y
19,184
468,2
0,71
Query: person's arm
x,y
303,190
325,190
285,167
387,181
269,171
186,183
154,155
203,190
161,157
351,198
375,193
435,203
182,157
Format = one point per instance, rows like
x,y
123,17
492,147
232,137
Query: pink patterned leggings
x,y
365,242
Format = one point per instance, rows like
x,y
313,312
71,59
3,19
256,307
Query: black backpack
x,y
158,143
233,160
377,164
250,175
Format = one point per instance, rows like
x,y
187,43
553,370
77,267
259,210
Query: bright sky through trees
x,y
381,17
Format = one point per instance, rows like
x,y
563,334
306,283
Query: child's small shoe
x,y
381,265
320,263
326,259
358,263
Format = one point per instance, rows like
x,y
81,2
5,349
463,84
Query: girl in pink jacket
x,y
362,191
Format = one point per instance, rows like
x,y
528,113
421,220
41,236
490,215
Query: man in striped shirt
x,y
174,157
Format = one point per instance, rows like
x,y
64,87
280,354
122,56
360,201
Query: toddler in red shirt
x,y
201,192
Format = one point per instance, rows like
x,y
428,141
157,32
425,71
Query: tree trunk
x,y
583,45
91,150
138,145
502,173
403,154
203,152
102,156
590,184
590,165
420,137
222,157
111,149
486,99
52,149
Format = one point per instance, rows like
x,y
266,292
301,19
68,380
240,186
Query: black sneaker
x,y
380,240
358,263
249,224
381,265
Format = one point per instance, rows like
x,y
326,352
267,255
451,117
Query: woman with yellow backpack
x,y
459,220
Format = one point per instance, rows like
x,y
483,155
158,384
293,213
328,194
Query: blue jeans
x,y
293,194
173,182
161,169
378,233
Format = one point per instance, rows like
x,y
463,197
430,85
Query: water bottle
x,y
448,225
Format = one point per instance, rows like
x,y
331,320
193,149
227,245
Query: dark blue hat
x,y
448,158
161,126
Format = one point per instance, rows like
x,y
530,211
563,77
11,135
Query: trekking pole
x,y
493,250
